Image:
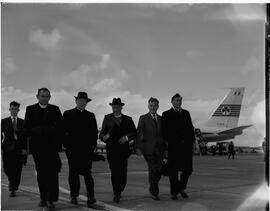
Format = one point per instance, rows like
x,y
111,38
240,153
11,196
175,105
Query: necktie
x,y
155,120
14,123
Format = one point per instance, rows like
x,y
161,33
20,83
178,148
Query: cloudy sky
x,y
135,51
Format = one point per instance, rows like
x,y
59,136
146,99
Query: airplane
x,y
223,123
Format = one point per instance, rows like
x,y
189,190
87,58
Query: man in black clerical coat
x,y
14,147
42,125
81,132
178,133
117,131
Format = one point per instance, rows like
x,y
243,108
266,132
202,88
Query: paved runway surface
x,y
216,184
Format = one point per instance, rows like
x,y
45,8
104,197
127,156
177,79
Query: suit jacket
x,y
43,127
149,136
9,144
127,128
178,132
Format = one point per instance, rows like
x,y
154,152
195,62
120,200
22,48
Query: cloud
x,y
79,41
258,117
75,6
45,40
252,66
9,65
9,94
246,12
105,61
76,79
239,13
123,74
179,8
106,85
105,75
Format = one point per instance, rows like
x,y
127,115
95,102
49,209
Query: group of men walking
x,y
46,131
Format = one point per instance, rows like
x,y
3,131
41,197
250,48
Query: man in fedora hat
x,y
117,131
81,134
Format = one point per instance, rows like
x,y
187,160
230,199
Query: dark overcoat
x,y
178,132
81,135
127,128
43,127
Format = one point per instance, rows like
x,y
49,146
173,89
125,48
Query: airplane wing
x,y
235,130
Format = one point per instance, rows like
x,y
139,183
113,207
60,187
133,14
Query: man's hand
x,y
123,140
106,137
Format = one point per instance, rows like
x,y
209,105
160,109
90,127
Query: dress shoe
x,y
91,201
183,194
74,200
116,198
12,193
42,203
174,197
50,205
155,197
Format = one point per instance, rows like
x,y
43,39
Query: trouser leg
x,y
18,162
184,180
118,174
74,183
53,186
123,175
41,177
154,164
174,182
89,183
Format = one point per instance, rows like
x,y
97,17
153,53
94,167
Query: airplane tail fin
x,y
228,112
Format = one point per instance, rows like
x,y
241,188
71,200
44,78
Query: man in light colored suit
x,y
150,143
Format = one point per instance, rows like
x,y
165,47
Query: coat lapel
x,y
10,125
159,121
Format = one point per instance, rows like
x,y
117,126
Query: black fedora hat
x,y
82,95
116,101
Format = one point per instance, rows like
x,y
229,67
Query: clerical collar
x,y
79,109
43,106
12,117
176,109
117,116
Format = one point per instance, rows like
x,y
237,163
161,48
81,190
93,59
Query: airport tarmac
x,y
216,184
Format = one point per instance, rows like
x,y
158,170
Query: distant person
x,y
14,147
198,140
117,131
150,143
178,133
213,150
81,134
231,151
43,126
220,149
